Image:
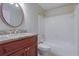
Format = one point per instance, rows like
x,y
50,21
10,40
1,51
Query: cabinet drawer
x,y
10,46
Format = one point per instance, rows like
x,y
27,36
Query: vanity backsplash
x,y
13,31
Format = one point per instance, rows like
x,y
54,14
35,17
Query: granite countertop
x,y
13,37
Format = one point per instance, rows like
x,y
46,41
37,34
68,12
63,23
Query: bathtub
x,y
62,49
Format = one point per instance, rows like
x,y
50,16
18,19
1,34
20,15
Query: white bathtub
x,y
62,49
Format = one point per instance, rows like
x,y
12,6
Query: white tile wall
x,y
59,33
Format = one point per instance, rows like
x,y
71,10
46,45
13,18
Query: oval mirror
x,y
12,14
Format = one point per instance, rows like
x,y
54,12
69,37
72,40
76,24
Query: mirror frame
x,y
4,20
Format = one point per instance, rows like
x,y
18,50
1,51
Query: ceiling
x,y
47,6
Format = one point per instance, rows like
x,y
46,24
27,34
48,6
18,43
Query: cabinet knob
x,y
28,48
25,49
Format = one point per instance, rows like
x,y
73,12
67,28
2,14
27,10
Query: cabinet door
x,y
18,53
32,50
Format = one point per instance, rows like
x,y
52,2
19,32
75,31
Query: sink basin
x,y
3,37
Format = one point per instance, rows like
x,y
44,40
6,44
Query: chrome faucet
x,y
14,31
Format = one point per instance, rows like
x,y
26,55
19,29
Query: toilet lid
x,y
43,46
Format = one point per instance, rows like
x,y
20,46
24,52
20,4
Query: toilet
x,y
43,49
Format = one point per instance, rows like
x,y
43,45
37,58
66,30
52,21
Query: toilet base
x,y
43,49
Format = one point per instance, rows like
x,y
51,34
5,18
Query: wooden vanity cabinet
x,y
28,51
26,46
18,53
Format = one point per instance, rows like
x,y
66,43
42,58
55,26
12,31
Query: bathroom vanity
x,y
18,45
